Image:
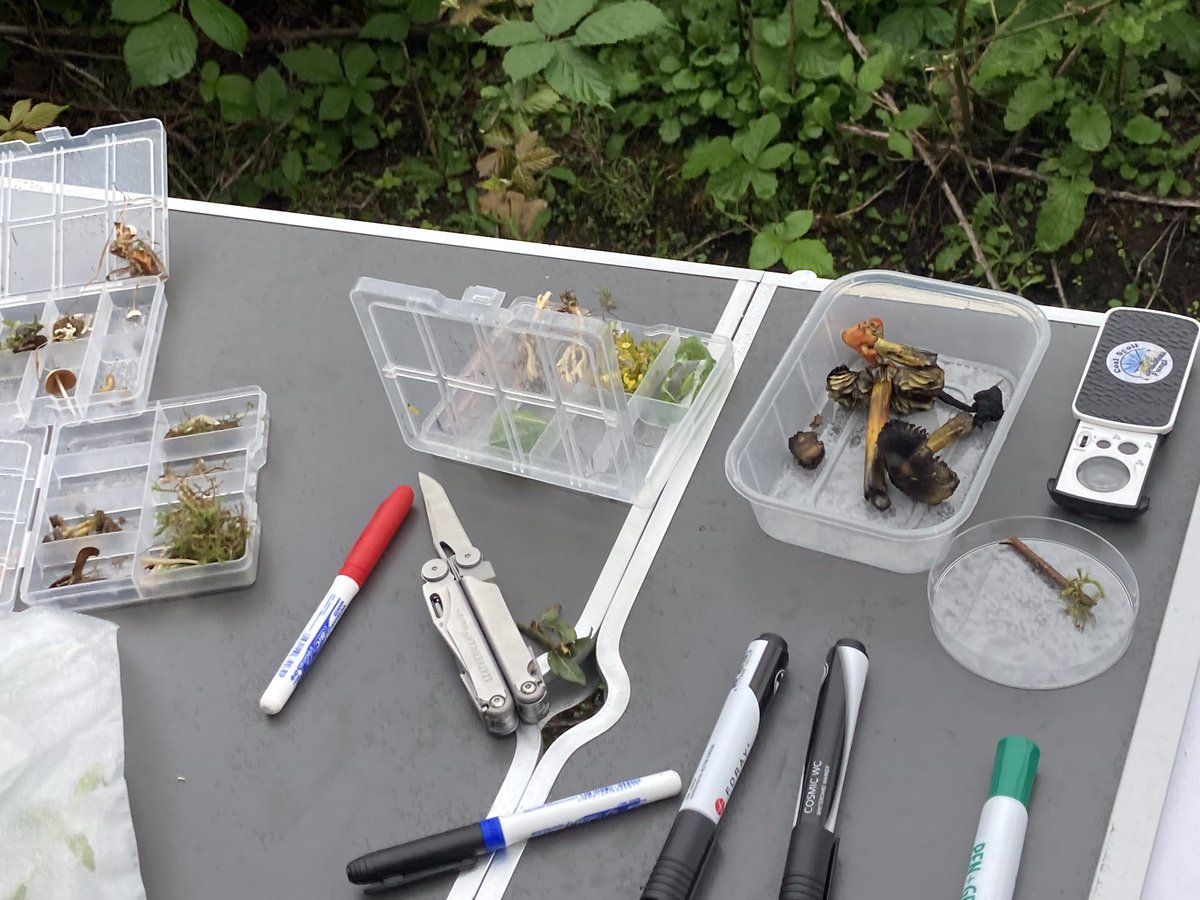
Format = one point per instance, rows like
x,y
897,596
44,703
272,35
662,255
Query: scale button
x,y
1103,474
1128,448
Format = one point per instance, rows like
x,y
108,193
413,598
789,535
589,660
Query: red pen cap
x,y
377,535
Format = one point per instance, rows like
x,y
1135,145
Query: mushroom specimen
x,y
910,456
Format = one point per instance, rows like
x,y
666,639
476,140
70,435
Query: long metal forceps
x,y
498,669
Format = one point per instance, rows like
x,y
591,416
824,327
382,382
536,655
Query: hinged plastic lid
x,y
20,459
538,391
81,323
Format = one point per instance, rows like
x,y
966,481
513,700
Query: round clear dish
x,y
997,613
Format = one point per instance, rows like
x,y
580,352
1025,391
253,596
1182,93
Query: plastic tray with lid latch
x,y
60,200
538,392
128,467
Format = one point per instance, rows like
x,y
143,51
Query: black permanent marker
x,y
678,868
814,844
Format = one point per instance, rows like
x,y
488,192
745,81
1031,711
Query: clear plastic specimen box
x,y
983,338
78,344
61,287
541,393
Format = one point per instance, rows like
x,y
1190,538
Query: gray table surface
x,y
379,742
928,729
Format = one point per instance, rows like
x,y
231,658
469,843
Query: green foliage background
x,y
1044,147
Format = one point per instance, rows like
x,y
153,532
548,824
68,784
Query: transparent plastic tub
x,y
130,469
536,392
983,338
60,200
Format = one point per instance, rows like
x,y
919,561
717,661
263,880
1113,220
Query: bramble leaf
x,y
226,28
619,22
159,51
525,60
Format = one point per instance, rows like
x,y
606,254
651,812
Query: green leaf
x,y
765,184
619,22
708,157
364,100
774,156
577,76
90,780
796,225
730,183
1062,211
160,50
314,64
766,250
335,103
226,28
898,143
582,648
363,135
810,254
670,130
20,893
292,166
913,116
236,94
270,94
754,140
392,26
78,845
1028,100
566,633
903,27
870,76
525,60
358,60
136,11
41,116
1089,126
556,16
565,668
551,615
512,33
540,101
1142,130
424,10
209,73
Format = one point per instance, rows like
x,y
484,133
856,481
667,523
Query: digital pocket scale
x,y
1126,401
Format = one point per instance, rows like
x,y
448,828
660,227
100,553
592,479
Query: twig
x,y
846,214
1062,297
1169,234
715,236
791,54
921,146
233,176
960,73
1034,175
430,139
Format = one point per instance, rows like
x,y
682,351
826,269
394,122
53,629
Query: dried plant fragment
x,y
199,529
202,424
98,522
21,337
70,328
1074,592
77,575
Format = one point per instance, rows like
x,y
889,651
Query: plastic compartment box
x,y
537,392
59,201
128,467
982,338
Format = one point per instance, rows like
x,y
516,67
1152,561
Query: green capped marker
x,y
996,854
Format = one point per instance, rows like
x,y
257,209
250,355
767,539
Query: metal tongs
x,y
498,668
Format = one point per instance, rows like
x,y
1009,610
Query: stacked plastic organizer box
x,y
76,431
537,392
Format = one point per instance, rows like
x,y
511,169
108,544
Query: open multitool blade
x,y
449,537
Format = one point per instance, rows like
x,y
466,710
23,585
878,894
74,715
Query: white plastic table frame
x,y
1129,842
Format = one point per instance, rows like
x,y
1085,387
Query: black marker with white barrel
x,y
679,865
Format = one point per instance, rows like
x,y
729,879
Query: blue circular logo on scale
x,y
1140,362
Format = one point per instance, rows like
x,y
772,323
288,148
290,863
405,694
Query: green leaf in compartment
x,y
692,365
529,427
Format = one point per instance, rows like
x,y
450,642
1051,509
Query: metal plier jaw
x,y
496,666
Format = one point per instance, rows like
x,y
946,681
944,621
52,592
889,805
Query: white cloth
x,y
65,827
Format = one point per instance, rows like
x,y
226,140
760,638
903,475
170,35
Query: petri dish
x,y
999,617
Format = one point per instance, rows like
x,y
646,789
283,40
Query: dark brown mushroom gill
x,y
910,457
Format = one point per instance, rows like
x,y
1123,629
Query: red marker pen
x,y
359,562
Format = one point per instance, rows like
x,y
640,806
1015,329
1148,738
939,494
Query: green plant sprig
x,y
564,649
199,528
